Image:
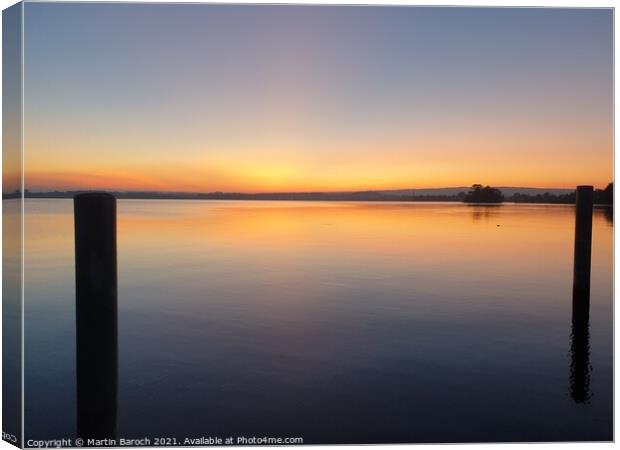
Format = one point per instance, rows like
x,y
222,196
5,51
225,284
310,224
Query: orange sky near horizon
x,y
283,179
315,99
550,162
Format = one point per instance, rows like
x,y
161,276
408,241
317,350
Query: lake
x,y
334,322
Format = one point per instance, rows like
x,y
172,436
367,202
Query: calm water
x,y
335,322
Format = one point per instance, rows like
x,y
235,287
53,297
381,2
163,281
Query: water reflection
x,y
608,213
485,212
580,366
11,320
258,317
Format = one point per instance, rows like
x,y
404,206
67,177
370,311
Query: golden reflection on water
x,y
507,242
510,234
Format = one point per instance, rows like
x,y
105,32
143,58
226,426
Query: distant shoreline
x,y
512,195
283,196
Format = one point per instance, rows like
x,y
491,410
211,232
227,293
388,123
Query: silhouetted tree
x,y
480,194
543,198
604,196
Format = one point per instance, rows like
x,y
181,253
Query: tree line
x,y
488,194
477,194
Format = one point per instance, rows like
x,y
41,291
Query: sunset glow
x,y
309,98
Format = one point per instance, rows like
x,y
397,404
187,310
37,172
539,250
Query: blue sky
x,y
230,97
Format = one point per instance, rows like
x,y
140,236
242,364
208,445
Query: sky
x,y
257,98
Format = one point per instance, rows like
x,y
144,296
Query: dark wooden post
x,y
96,315
583,238
580,329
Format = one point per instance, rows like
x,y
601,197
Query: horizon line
x,y
345,191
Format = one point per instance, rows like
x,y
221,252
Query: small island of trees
x,y
483,194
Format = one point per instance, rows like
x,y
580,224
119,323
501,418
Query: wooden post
x,y
580,329
96,315
583,239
